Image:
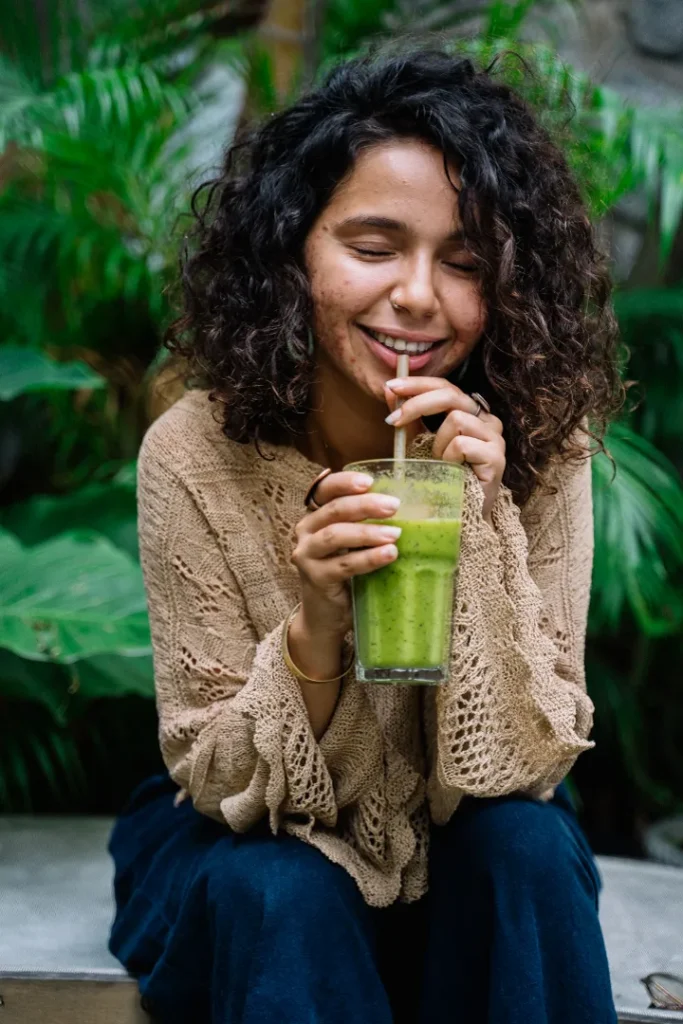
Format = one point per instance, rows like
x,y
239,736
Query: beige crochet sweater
x,y
216,524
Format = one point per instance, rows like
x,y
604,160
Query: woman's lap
x,y
193,899
513,913
186,885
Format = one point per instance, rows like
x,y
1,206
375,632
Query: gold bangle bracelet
x,y
288,658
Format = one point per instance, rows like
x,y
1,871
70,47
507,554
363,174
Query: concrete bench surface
x,y
56,908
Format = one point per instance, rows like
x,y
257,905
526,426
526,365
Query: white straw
x,y
402,370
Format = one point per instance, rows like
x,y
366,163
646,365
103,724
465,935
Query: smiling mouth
x,y
413,348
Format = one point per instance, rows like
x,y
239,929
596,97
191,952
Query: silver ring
x,y
482,404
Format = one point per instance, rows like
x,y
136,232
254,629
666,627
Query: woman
x,y
321,850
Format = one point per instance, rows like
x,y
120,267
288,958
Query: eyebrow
x,y
389,224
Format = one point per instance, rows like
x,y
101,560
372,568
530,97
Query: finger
x,y
331,539
417,385
486,459
430,403
392,399
337,484
349,509
357,563
411,386
458,422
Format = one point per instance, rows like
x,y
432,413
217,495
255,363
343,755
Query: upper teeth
x,y
399,345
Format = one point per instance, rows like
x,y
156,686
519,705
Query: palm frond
x,y
37,755
87,214
638,537
44,40
611,145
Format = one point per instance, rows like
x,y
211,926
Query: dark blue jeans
x,y
257,929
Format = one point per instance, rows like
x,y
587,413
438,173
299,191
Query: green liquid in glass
x,y
403,611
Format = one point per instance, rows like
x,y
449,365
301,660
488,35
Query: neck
x,y
346,424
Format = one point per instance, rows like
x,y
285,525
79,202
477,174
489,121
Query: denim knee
x,y
278,877
521,840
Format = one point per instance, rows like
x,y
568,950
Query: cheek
x,y
344,287
332,312
467,312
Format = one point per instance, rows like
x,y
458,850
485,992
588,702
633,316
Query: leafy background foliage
x,y
101,138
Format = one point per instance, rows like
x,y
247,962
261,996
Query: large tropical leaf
x,y
108,509
24,370
638,536
42,682
72,597
111,675
55,686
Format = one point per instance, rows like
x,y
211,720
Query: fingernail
x,y
389,503
391,532
397,382
393,417
362,480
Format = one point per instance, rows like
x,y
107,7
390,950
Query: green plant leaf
x,y
644,304
671,195
638,536
56,686
651,325
72,597
24,370
39,681
126,476
110,675
37,754
108,509
506,18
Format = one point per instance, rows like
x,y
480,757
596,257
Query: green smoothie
x,y
403,611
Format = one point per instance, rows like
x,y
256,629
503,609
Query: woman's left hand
x,y
463,436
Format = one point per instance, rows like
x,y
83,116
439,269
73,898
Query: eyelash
x,y
376,252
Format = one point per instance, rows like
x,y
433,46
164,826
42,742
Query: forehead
x,y
404,180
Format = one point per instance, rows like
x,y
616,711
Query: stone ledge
x,y
57,907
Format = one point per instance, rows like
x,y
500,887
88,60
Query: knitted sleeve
x,y
233,727
515,714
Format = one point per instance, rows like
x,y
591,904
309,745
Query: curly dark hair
x,y
547,361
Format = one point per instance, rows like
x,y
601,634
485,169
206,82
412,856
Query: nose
x,y
414,289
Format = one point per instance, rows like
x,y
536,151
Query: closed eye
x,y
467,267
371,252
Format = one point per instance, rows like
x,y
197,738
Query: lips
x,y
390,357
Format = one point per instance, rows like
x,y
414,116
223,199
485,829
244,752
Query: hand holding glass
x,y
403,611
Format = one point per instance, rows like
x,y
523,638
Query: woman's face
x,y
387,267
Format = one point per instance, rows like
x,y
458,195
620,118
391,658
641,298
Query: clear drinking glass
x,y
403,612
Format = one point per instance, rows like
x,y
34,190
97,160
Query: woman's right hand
x,y
333,545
